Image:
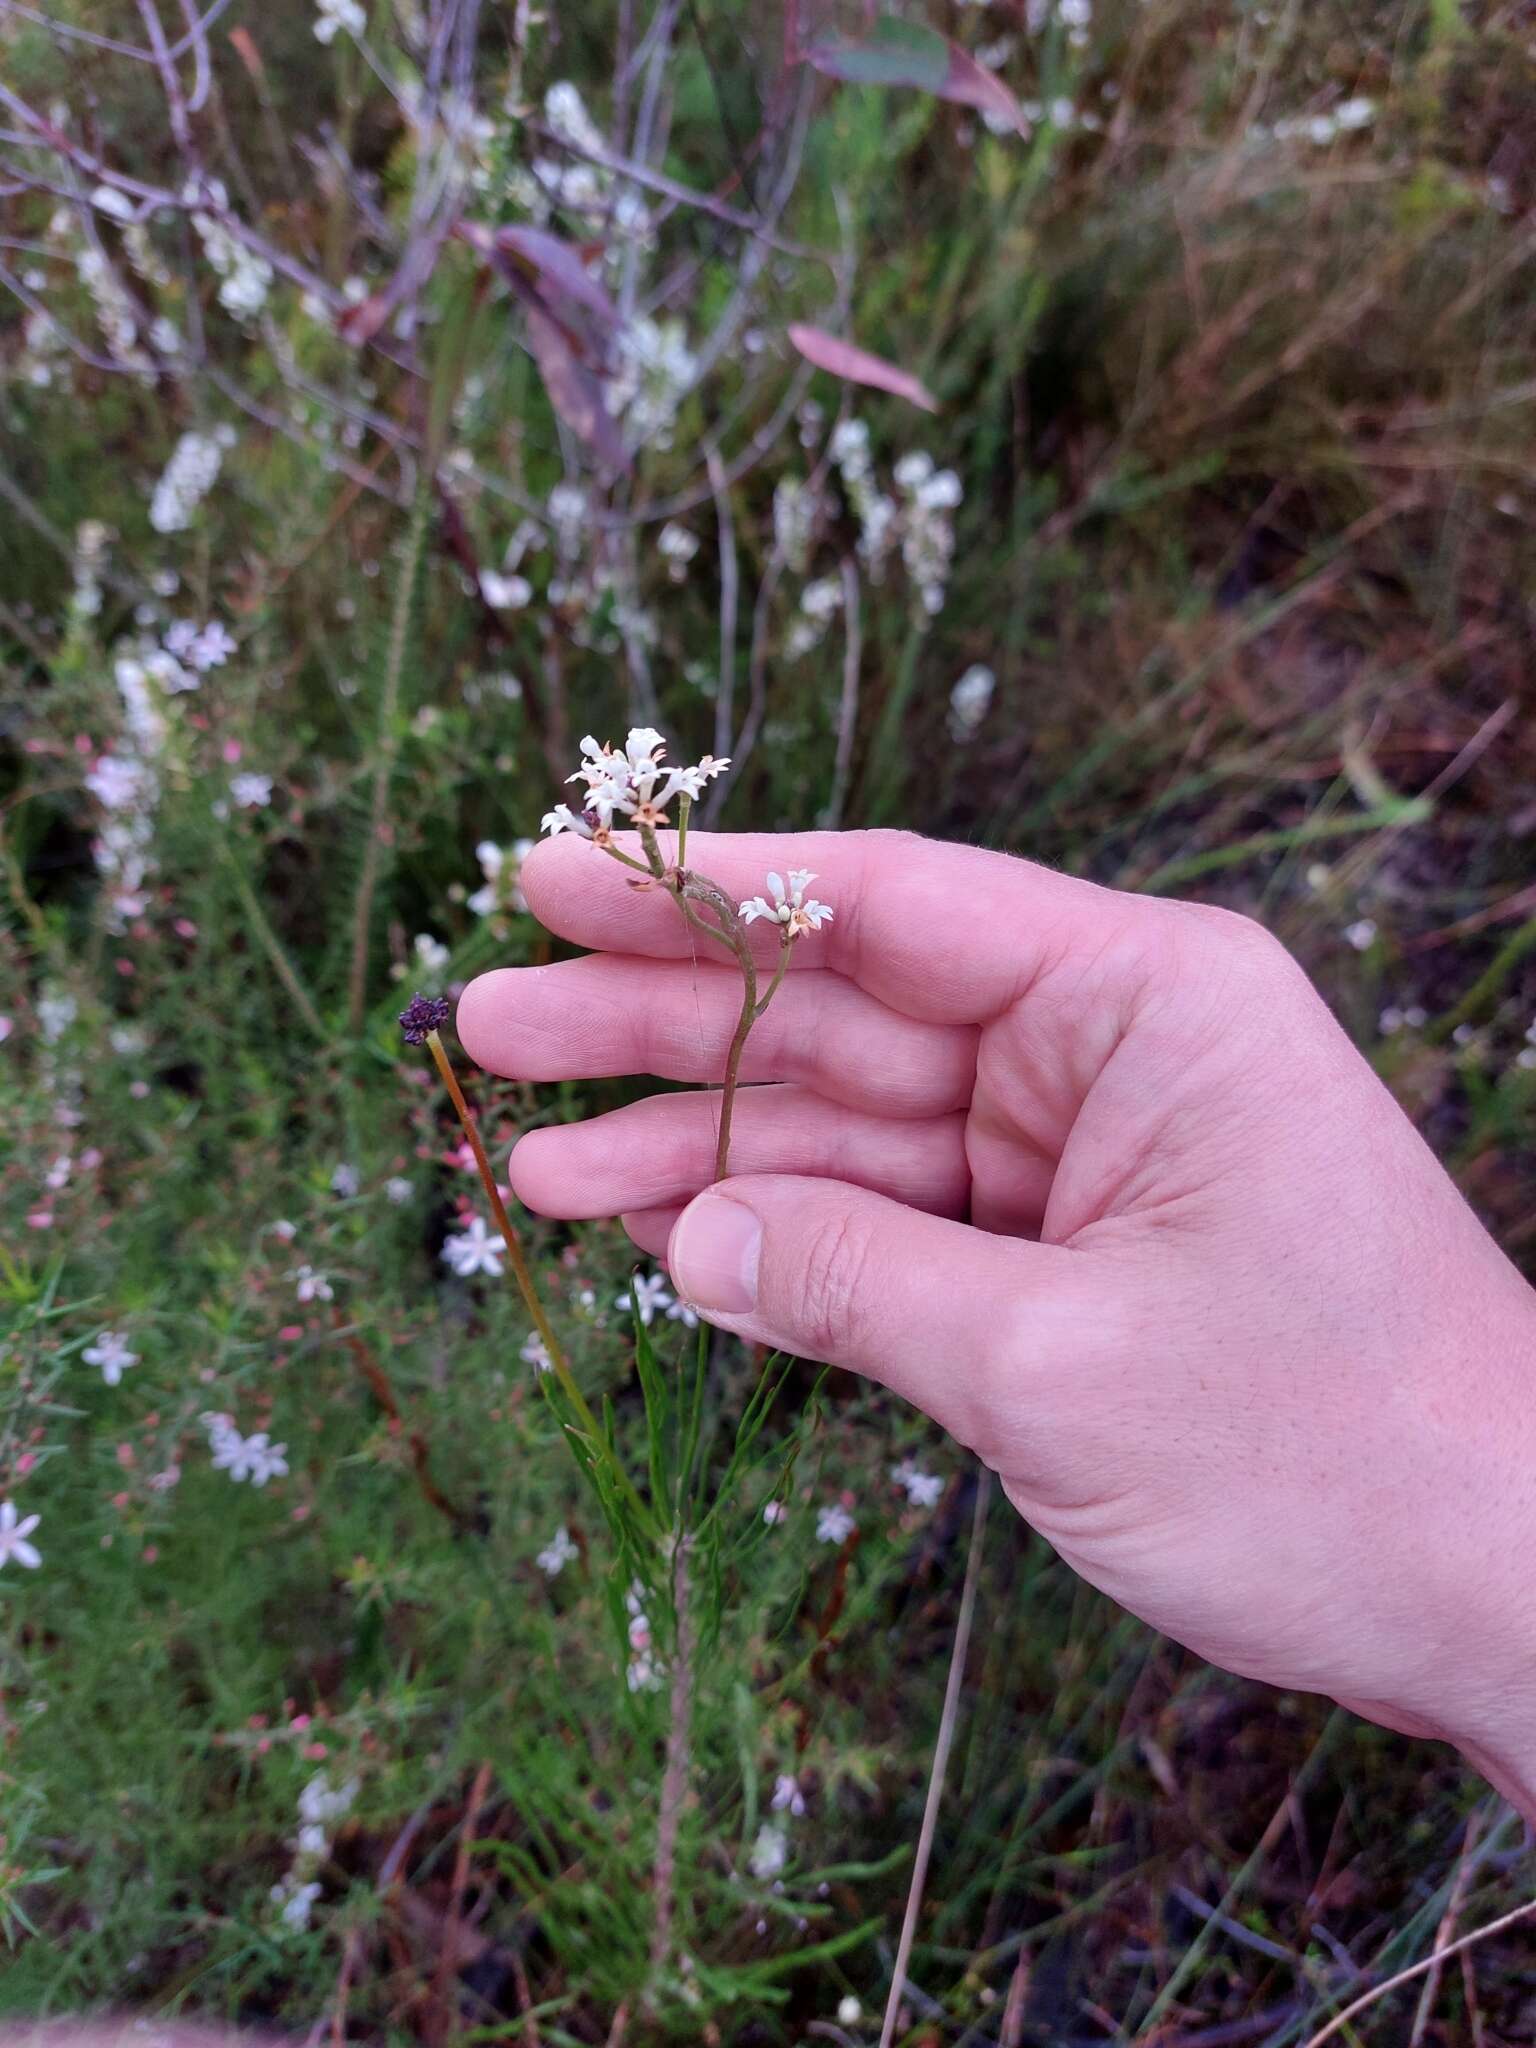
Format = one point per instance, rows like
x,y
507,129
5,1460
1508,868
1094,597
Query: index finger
x,y
951,934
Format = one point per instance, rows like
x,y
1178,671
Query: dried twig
x,y
941,1748
1341,2020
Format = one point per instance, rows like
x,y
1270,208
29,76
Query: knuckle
x,y
833,1309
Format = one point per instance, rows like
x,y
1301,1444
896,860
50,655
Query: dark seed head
x,y
423,1014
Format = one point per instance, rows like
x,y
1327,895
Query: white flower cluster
x,y
199,647
114,309
255,1458
645,1669
677,548
332,16
504,593
927,533
633,783
969,702
189,476
820,603
796,507
592,194
770,1852
1349,117
876,512
93,537
501,867
245,277
321,1805
656,371
43,343
789,907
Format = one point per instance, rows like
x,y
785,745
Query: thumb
x,y
960,1322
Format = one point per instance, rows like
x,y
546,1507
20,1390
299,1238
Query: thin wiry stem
x,y
674,1783
384,762
1341,2020
941,1751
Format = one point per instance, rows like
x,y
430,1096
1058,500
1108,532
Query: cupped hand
x,y
1098,1183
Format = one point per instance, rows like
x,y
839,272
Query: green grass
x,y
1245,425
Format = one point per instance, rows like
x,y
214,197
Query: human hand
x,y
1097,1182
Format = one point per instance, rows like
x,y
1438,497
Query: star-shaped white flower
x,y
536,1353
13,1537
111,1353
556,1554
474,1249
648,1293
266,1459
789,907
834,1524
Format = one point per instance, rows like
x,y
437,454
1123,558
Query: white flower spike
x,y
789,906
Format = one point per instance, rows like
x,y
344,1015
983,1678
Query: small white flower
x,y
58,1174
265,1460
111,1353
55,1013
643,1673
787,1796
556,1554
231,1453
683,1312
398,1190
774,1513
969,700
789,907
1361,934
677,548
298,1902
770,1852
312,1840
346,1181
432,956
923,1489
13,1537
283,1229
536,1353
321,1802
648,1293
834,1524
332,16
309,1285
117,783
251,792
504,593
474,1249
849,2011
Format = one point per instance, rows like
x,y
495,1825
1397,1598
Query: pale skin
x,y
1099,1184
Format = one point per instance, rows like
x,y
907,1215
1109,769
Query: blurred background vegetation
x,y
437,356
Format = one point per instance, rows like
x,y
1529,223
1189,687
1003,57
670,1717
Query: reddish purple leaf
x,y
574,390
910,53
555,268
858,366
